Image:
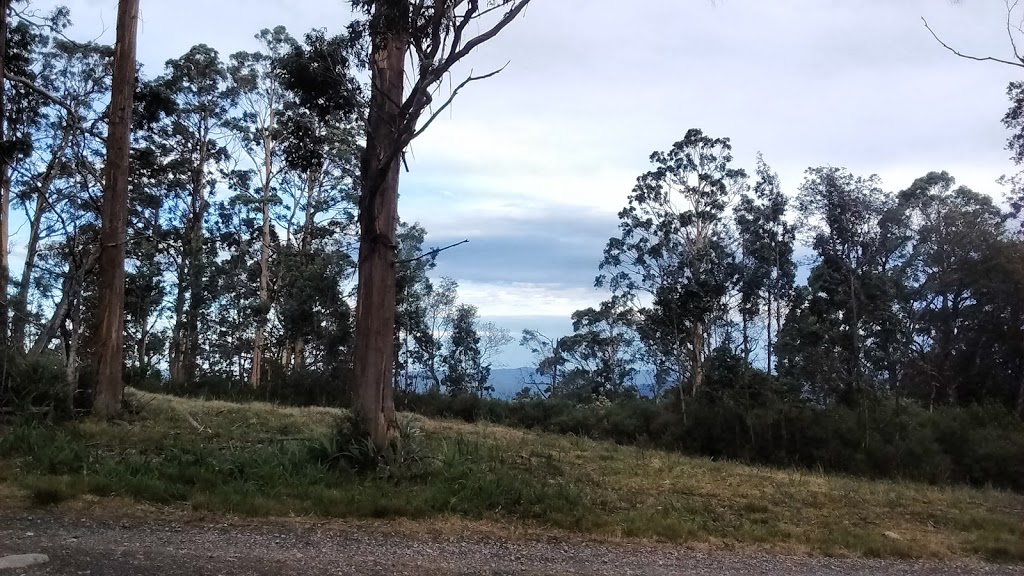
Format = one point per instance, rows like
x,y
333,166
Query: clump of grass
x,y
260,460
348,447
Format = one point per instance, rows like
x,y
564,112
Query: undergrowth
x,y
261,460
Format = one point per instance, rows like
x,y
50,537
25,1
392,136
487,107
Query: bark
x,y
72,340
286,356
5,177
189,302
299,359
261,325
378,219
113,234
769,351
698,358
745,335
176,364
196,292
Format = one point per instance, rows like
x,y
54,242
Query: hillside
x,y
260,460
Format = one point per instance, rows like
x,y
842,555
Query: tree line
x,y
242,230
912,294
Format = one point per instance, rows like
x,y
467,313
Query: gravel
x,y
78,543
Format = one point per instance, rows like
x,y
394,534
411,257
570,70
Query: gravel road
x,y
79,543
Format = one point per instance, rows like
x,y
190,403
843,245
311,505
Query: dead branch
x,y
451,98
433,252
1019,63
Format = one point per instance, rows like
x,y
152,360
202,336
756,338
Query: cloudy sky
x,y
533,165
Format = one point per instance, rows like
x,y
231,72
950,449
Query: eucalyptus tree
x,y
192,143
434,35
261,99
671,259
768,270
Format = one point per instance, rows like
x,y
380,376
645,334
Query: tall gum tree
x,y
434,35
110,313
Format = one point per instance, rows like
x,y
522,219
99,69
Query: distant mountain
x,y
507,382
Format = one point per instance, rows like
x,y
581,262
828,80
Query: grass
x,y
261,460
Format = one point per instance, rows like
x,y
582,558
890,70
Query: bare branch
x,y
1009,27
451,99
1019,64
433,252
458,54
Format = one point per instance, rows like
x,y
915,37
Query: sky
x,y
532,165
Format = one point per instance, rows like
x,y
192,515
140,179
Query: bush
x,y
885,438
36,387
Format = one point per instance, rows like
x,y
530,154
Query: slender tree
x,y
113,236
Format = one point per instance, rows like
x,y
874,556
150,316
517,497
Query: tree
x,y
548,358
412,332
767,272
840,215
192,141
435,32
673,249
113,235
261,98
600,353
464,369
493,341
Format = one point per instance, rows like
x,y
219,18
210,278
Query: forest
x,y
832,323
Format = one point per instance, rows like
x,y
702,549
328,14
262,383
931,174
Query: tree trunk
x,y
855,334
5,177
72,340
745,336
196,294
261,324
113,234
300,354
698,357
769,351
176,364
72,286
19,319
378,220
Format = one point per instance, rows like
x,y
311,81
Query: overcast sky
x,y
533,165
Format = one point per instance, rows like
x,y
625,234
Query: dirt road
x,y
79,543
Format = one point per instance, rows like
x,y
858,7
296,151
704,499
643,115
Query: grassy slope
x,y
261,460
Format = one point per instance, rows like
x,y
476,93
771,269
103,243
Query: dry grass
x,y
560,482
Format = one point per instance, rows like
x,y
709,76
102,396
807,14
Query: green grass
x,y
260,460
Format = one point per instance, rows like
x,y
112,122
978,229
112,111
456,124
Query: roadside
x,y
81,542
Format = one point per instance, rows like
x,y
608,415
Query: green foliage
x,y
979,445
35,387
349,447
